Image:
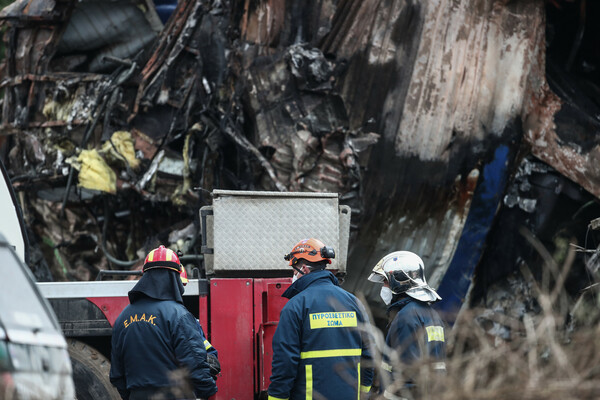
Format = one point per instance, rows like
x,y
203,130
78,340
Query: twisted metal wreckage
x,y
434,120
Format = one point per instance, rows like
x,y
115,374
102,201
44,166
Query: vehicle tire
x,y
90,373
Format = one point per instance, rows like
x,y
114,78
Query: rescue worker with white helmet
x,y
155,335
319,348
415,330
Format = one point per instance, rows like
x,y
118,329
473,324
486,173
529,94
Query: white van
x,y
34,361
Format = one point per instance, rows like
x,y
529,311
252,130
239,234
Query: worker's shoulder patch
x,y
435,333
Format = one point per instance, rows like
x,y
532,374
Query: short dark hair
x,y
316,265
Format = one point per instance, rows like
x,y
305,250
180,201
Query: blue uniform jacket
x,y
416,332
319,344
155,335
210,349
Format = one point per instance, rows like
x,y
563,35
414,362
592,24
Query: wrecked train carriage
x,y
553,192
417,121
458,93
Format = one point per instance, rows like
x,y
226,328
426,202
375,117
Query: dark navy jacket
x,y
155,335
320,342
416,332
210,349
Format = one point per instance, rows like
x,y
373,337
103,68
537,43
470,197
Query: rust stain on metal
x,y
579,165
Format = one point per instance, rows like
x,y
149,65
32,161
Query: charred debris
x,y
453,129
115,128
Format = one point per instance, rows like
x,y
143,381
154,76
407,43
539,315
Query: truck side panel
x,y
232,334
267,308
80,317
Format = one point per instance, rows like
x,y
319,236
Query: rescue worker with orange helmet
x,y
415,331
155,336
320,349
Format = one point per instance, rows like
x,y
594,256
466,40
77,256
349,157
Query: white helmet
x,y
405,273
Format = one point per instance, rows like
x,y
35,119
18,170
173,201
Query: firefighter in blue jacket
x,y
416,331
155,336
320,340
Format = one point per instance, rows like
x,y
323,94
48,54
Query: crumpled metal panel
x,y
455,82
118,29
25,9
254,230
575,159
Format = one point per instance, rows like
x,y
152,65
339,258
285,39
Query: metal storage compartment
x,y
244,230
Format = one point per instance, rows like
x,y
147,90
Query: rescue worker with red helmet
x,y
415,331
320,349
155,336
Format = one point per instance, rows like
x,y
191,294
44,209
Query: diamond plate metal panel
x,y
254,230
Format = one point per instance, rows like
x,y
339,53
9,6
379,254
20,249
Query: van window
x,y
20,306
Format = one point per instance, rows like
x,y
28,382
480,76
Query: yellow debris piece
x,y
56,111
94,172
121,147
72,106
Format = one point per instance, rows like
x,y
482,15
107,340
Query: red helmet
x,y
312,250
162,257
183,276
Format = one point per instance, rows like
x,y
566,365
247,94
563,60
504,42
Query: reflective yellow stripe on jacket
x,y
324,354
358,371
361,388
309,382
331,353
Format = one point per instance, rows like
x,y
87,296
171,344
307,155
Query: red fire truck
x,y
244,237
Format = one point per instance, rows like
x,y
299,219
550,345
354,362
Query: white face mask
x,y
386,295
297,275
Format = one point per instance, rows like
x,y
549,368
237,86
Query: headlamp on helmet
x,y
311,250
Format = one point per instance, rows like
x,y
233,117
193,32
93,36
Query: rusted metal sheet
x,y
457,77
574,157
36,10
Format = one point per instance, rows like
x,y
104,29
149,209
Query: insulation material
x,y
94,172
121,147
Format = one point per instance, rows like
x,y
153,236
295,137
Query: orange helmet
x,y
183,276
312,250
162,257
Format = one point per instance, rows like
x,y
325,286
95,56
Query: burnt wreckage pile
x,y
448,127
114,127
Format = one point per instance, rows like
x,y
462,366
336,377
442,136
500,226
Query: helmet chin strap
x,y
298,270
